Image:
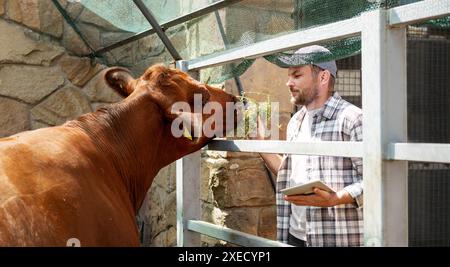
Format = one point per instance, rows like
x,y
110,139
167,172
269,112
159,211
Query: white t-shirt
x,y
297,222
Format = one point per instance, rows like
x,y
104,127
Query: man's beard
x,y
305,97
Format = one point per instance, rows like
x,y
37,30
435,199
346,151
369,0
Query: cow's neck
x,y
129,135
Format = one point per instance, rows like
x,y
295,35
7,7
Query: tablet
x,y
306,188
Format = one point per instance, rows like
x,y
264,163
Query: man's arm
x,y
272,161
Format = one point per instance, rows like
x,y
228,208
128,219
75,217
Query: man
x,y
322,218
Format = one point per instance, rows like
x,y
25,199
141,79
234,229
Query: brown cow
x,y
87,178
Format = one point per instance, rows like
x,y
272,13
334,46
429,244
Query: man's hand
x,y
321,198
273,161
260,131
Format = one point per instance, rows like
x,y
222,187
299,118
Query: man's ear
x,y
120,80
325,76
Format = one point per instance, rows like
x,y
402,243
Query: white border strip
x,y
232,236
332,31
324,148
420,11
419,152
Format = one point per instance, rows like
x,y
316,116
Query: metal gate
x,y
385,150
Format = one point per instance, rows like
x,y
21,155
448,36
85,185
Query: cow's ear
x,y
120,79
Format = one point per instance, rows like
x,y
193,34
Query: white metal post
x,y
384,98
188,193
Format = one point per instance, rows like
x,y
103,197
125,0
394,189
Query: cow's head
x,y
193,112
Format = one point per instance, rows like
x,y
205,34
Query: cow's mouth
x,y
188,134
195,130
190,126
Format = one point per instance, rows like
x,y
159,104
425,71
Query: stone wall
x,y
236,192
41,84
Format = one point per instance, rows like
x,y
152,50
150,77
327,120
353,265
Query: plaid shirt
x,y
340,225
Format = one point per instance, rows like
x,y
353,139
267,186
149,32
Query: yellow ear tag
x,y
187,134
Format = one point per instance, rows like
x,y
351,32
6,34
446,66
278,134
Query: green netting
x,y
106,22
443,23
311,13
232,71
122,14
126,16
307,14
